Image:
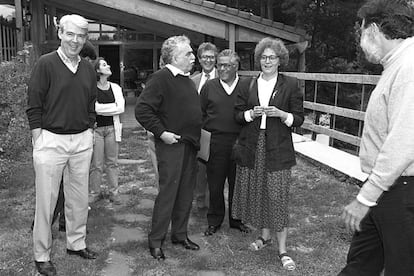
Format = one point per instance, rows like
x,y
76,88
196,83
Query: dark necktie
x,y
207,76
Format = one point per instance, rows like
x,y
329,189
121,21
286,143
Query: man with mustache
x,y
169,107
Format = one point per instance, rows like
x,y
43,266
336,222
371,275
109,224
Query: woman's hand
x,y
257,111
273,111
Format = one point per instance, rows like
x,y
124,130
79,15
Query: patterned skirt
x,y
260,197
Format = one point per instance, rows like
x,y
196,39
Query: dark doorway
x,y
111,54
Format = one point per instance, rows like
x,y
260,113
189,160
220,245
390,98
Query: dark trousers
x,y
177,176
387,236
220,167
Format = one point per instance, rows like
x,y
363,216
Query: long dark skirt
x,y
260,197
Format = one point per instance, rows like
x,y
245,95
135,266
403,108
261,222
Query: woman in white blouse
x,y
109,104
264,153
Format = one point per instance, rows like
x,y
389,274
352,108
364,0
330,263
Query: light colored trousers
x,y
52,154
105,156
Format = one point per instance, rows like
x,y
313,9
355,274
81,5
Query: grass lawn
x,y
317,240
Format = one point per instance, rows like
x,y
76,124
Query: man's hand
x,y
169,137
353,214
36,133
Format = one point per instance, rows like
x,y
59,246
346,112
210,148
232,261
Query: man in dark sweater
x,y
169,107
217,104
61,113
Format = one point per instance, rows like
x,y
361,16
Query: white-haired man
x,y
61,99
169,107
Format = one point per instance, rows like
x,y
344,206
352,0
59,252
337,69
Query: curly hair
x,y
234,57
395,18
170,45
276,45
206,46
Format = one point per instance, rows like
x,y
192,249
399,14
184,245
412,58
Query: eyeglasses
x,y
204,57
226,66
271,58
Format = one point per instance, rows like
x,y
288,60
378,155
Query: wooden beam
x,y
232,37
19,24
348,138
340,111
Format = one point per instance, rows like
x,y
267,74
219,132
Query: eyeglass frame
x,y
204,57
271,58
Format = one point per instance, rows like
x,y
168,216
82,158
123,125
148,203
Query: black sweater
x,y
170,103
59,100
218,107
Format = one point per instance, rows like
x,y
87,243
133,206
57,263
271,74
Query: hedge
x,y
14,130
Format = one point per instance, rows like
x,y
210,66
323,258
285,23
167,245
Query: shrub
x,y
14,129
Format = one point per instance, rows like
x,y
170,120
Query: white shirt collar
x,y
175,71
230,88
67,60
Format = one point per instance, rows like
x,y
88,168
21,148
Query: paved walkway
x,y
128,117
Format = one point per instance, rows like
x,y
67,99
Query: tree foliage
x,y
332,26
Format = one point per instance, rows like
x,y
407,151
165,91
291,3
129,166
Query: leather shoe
x,y
46,268
157,253
84,253
187,243
211,229
243,228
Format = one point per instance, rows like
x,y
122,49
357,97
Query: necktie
x,y
207,75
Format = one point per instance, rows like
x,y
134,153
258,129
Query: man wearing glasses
x,y
217,104
206,53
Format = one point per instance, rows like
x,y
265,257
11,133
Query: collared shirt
x,y
230,88
203,79
175,71
67,60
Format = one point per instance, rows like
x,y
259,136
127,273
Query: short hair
x,y
206,46
76,19
169,46
395,18
276,45
96,65
229,53
88,50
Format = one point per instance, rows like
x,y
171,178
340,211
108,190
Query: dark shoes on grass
x,y
157,253
46,268
187,244
211,229
84,253
241,227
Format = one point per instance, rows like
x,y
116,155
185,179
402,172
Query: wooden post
x,y
38,27
232,36
19,24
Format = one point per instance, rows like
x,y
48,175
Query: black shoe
x,y
84,253
46,268
211,229
187,243
243,228
157,253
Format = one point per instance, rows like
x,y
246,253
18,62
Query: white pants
x,y
52,153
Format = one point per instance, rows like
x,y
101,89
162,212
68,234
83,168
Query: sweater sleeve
x,y
148,105
38,88
204,102
397,151
92,99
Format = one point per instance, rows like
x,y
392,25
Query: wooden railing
x,y
8,41
314,108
